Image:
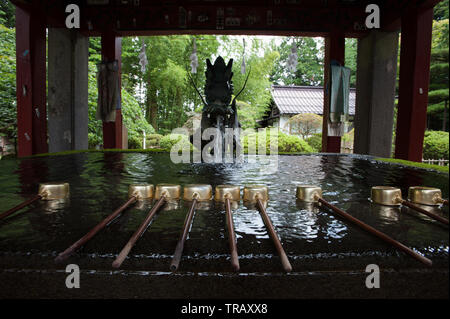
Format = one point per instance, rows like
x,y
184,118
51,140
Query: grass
x,y
444,169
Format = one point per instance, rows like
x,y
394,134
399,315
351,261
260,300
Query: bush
x,y
435,145
94,140
315,141
134,142
154,139
286,143
170,140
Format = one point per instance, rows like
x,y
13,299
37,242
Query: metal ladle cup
x,y
425,195
381,194
54,191
392,196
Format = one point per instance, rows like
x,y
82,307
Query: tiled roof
x,y
291,99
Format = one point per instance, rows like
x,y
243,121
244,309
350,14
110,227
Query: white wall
x,y
283,121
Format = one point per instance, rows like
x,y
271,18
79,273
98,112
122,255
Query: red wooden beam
x,y
112,131
31,82
240,17
38,45
414,81
23,85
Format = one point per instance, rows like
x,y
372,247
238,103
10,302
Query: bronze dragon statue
x,y
219,110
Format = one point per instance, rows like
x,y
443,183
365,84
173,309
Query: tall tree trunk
x,y
179,105
152,107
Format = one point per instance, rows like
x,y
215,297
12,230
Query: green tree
x,y
260,59
441,10
438,100
310,62
7,14
8,113
169,94
440,37
351,53
133,117
304,124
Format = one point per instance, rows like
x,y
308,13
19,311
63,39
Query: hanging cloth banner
x,y
143,58
293,59
108,91
339,100
194,58
243,66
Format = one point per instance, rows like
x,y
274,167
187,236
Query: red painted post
x,y
31,83
112,131
414,81
334,50
38,45
23,85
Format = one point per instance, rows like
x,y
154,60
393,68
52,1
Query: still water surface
x,y
99,184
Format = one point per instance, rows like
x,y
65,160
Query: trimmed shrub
x,y
134,142
435,145
94,140
170,140
286,143
315,141
154,139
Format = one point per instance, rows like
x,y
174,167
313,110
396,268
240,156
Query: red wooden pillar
x,y
112,131
31,82
334,50
414,80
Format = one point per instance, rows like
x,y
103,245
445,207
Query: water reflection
x,y
386,214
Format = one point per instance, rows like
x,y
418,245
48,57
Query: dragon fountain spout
x,y
219,110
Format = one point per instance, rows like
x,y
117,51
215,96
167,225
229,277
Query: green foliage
x,y
441,10
7,14
94,140
436,145
286,143
439,73
260,61
8,113
443,169
440,39
309,67
134,142
154,139
95,50
168,93
291,143
439,55
133,116
315,141
247,115
304,124
437,118
168,141
436,113
437,96
95,132
351,53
